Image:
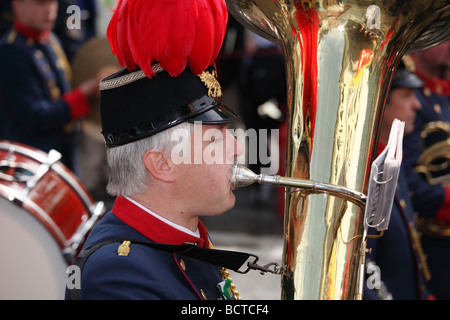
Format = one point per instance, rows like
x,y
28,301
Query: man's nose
x,y
237,148
416,104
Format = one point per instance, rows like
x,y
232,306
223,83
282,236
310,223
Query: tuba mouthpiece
x,y
242,177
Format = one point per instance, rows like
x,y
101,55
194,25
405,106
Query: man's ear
x,y
160,167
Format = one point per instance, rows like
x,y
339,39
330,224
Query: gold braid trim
x,y
62,59
226,276
420,253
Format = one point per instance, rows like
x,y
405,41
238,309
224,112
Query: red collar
x,y
154,228
436,85
43,36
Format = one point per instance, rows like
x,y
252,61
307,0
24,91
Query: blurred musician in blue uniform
x,y
395,267
37,104
160,124
427,159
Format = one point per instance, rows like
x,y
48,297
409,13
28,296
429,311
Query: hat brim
x,y
219,114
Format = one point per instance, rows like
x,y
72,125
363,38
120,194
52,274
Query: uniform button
x,y
403,203
183,266
437,108
56,93
39,54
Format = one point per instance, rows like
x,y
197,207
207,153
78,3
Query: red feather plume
x,y
172,32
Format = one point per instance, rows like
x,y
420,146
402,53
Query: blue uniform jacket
x,y
145,273
395,253
429,199
32,81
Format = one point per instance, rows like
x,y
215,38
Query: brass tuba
x,y
340,56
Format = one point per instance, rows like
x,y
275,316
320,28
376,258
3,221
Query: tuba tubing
x,y
242,177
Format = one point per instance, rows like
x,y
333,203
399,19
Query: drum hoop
x,y
41,157
38,213
16,166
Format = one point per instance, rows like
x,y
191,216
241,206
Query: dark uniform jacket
x,y
431,201
145,273
435,108
35,93
396,253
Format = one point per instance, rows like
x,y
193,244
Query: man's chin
x,y
47,26
230,203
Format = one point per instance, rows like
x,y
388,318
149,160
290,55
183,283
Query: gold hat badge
x,y
211,82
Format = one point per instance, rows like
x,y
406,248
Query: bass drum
x,y
45,216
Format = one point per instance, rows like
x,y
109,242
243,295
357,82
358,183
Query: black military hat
x,y
405,76
134,106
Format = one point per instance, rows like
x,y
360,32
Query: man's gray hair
x,y
126,170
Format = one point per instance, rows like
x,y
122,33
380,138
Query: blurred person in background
x,y
37,104
428,170
397,252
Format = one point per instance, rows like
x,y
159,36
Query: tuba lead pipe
x,y
340,57
243,177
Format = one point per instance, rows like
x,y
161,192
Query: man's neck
x,y
163,219
165,208
153,227
38,36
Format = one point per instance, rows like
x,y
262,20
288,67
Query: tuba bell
x,y
340,58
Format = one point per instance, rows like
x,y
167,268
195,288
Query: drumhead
x,y
32,265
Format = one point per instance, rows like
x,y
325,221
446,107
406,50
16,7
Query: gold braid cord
x,y
226,276
420,252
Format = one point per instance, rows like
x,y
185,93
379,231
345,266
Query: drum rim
x,y
20,198
58,167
